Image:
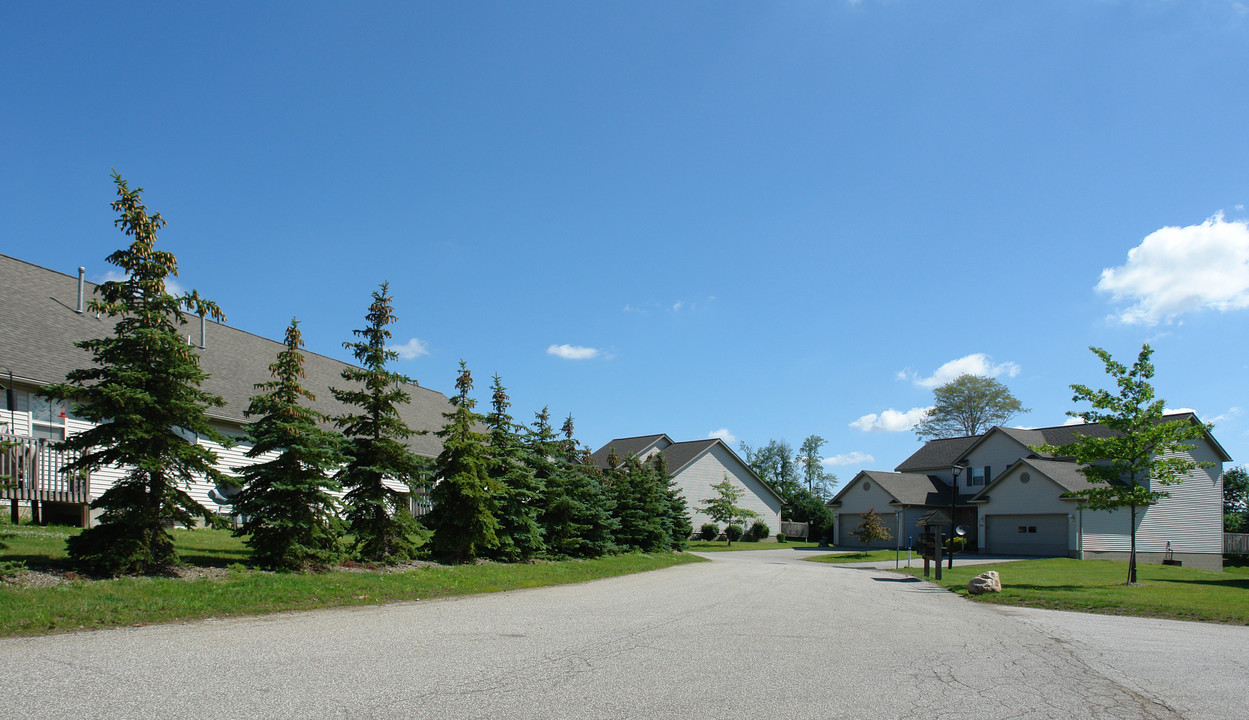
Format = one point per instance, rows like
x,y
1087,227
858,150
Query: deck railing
x,y
31,470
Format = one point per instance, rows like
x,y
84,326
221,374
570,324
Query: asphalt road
x,y
751,634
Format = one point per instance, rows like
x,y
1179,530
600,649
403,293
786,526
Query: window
x,y
47,419
978,476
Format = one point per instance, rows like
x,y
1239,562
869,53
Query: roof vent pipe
x,y
82,289
203,332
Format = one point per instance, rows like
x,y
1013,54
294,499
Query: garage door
x,y
848,522
1044,535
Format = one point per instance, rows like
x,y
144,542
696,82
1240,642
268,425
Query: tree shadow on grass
x,y
1237,583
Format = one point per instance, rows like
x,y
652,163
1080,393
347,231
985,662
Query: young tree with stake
x,y
1144,453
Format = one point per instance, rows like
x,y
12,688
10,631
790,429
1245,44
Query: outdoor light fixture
x,y
957,469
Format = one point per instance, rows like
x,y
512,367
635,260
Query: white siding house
x,y
38,328
697,465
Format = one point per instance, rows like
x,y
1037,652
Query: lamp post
x,y
957,469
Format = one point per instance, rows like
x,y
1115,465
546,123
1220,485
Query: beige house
x,y
697,465
1014,500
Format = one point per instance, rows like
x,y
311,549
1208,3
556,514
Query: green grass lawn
x,y
91,604
720,545
1097,586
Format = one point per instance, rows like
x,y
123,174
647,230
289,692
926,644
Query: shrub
x,y
780,537
733,532
758,531
708,531
958,543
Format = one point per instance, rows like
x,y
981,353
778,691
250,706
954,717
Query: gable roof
x,y
939,453
39,326
943,453
1065,473
628,447
906,488
679,455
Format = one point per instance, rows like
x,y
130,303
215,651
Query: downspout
x,y
1080,532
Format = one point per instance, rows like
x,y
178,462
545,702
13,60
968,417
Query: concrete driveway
x,y
750,634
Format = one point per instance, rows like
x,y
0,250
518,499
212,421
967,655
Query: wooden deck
x,y
32,471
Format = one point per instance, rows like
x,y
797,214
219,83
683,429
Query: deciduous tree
x,y
1236,500
290,518
378,516
968,405
1144,453
871,529
723,508
142,394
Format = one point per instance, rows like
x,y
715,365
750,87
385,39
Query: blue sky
x,y
763,220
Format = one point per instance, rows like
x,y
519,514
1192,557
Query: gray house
x,y
43,313
695,466
1017,501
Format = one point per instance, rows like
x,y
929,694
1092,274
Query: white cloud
x,y
1174,411
723,434
411,350
575,352
1073,421
890,420
676,306
850,458
1231,412
1176,270
974,364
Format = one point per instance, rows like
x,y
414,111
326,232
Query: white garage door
x,y
849,522
1043,535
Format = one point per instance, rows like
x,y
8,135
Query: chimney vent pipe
x,y
82,289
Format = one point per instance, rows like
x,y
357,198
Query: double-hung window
x,y
47,419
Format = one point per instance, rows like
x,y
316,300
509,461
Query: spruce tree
x,y
463,519
290,516
641,507
142,394
576,515
517,508
378,516
677,515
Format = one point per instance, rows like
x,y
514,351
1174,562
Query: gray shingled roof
x,y
906,488
941,454
39,326
678,454
627,447
937,454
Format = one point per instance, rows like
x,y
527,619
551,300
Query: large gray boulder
x,y
985,582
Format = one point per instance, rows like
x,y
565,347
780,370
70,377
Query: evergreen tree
x,y
290,516
641,506
518,506
462,519
377,515
677,516
142,394
576,517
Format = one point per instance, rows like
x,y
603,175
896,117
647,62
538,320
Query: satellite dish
x,y
223,494
961,530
